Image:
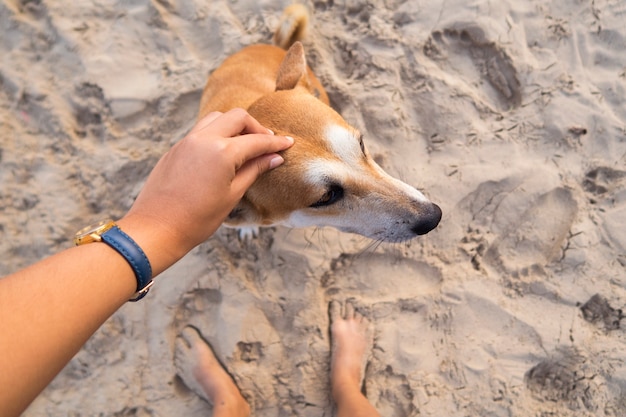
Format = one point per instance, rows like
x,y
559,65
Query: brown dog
x,y
328,178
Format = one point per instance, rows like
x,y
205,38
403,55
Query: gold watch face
x,y
92,232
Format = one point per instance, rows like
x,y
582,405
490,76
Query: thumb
x,y
252,169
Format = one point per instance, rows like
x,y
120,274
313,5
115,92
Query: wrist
x,y
161,245
109,233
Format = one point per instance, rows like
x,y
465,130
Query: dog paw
x,y
247,233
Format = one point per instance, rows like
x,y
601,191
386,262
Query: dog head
x,y
328,178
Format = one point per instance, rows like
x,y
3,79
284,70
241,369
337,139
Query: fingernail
x,y
271,132
290,139
276,161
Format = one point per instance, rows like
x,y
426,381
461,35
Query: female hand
x,y
198,182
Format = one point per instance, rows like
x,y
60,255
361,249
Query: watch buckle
x,y
142,292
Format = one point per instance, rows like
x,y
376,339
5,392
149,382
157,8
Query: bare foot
x,y
352,339
203,374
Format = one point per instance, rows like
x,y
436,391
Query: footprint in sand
x,y
199,302
397,396
535,237
568,378
381,277
467,43
598,311
89,105
602,180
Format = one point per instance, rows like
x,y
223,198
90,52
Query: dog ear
x,y
293,69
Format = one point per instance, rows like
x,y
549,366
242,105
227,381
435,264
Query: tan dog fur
x,y
328,178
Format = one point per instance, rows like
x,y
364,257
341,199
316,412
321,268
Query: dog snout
x,y
428,221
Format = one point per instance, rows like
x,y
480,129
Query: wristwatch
x,y
108,232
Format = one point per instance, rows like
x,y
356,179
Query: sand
x,y
510,115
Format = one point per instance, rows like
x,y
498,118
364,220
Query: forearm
x,y
49,310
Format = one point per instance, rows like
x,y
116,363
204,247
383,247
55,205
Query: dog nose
x,y
429,221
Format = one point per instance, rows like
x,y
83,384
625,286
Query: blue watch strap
x,y
137,259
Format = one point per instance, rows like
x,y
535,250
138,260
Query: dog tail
x,y
292,26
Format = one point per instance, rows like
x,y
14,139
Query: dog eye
x,y
334,194
362,144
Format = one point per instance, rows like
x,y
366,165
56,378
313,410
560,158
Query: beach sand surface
x,y
510,115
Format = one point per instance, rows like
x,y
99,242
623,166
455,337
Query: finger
x,y
207,120
251,170
236,122
253,146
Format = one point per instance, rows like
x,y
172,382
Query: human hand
x,y
188,194
198,182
